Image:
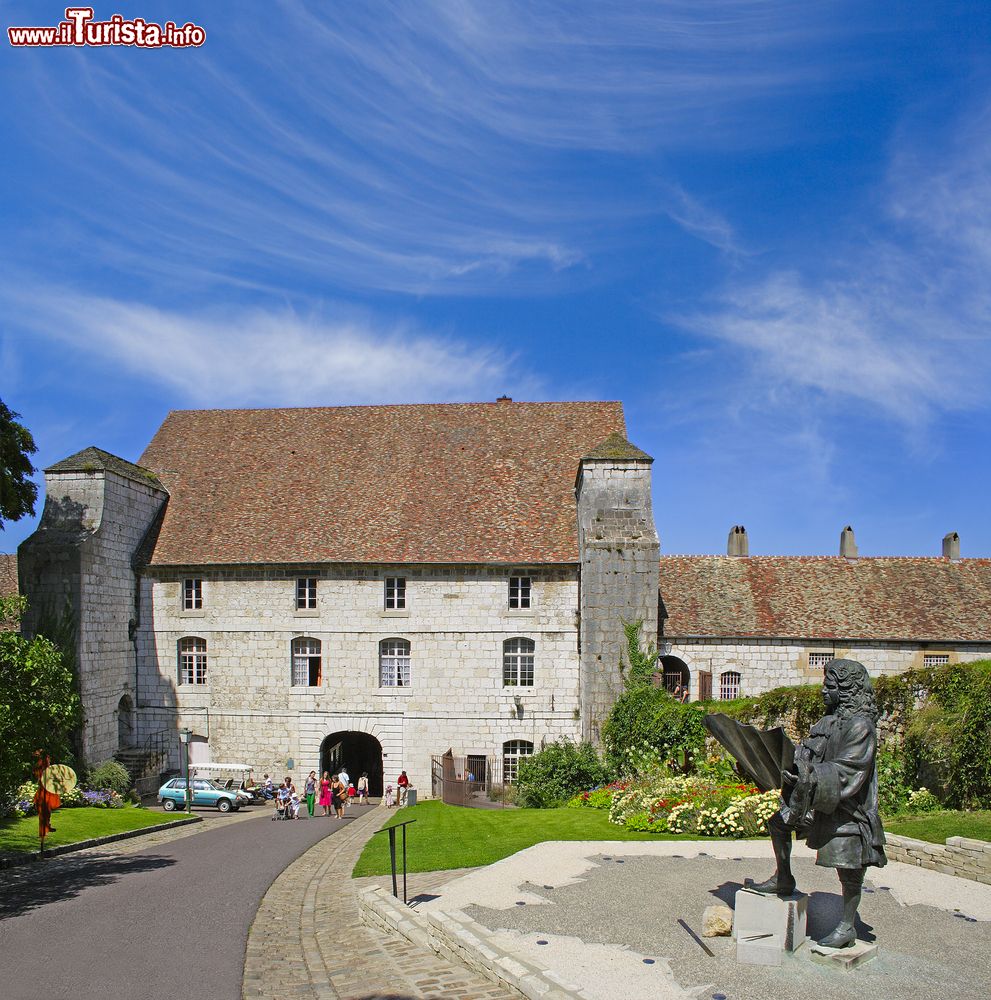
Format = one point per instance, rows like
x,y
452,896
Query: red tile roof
x,y
436,483
827,597
8,575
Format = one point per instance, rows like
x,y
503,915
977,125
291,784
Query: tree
x,y
39,707
17,492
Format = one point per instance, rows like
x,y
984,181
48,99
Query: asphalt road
x,y
165,922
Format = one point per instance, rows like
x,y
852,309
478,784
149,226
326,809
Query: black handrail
x,y
391,830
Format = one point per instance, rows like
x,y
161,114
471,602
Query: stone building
x,y
740,625
358,585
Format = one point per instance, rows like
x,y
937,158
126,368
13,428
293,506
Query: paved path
x,y
310,916
139,921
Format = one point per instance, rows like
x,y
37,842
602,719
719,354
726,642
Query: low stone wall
x,y
960,856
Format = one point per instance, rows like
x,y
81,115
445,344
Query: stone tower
x,y
80,561
619,552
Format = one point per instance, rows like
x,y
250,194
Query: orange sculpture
x,y
53,780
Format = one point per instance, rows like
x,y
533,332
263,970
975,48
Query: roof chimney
x,y
737,544
951,545
504,399
848,545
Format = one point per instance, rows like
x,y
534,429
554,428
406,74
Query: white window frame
x,y
306,593
192,593
192,661
520,593
729,685
395,663
930,660
518,655
304,650
395,593
819,659
512,752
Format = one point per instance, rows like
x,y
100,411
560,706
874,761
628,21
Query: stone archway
x,y
125,723
358,752
674,671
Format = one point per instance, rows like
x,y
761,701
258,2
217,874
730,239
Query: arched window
x,y
192,660
512,751
729,684
306,662
517,662
394,659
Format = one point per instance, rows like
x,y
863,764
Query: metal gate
x,y
473,780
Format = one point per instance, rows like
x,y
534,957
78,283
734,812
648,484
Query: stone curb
x,y
960,856
83,845
460,939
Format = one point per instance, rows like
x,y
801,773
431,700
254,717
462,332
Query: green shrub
x,y
597,798
892,791
110,776
552,776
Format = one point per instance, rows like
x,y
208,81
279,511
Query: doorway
x,y
359,753
675,672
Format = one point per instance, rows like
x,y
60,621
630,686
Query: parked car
x,y
172,795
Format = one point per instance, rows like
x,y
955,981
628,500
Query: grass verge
x,y
19,836
454,837
935,827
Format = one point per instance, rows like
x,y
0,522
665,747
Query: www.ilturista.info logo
x,y
79,28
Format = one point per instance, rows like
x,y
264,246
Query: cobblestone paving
x,y
307,942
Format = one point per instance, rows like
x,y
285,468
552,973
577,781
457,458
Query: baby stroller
x,y
286,807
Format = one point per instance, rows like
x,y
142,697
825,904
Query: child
x,y
388,796
351,792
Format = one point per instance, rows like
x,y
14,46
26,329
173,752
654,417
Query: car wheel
x,y
168,805
224,805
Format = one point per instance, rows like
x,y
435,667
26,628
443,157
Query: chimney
x,y
848,545
951,545
737,544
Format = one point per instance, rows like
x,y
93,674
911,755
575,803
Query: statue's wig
x,y
856,693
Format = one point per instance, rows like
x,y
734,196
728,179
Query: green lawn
x,y
73,825
455,837
935,827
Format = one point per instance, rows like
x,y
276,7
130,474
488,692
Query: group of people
x,y
402,786
680,693
335,793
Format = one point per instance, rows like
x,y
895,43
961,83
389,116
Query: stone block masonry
x,y
961,856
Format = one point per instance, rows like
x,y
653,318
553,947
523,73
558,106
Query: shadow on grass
x,y
32,886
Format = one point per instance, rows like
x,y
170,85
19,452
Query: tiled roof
x,y
616,446
8,575
93,459
437,483
827,597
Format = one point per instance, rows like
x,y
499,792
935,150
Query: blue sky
x,y
764,226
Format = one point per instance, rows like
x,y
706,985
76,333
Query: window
x,y
935,659
395,593
519,592
306,662
517,662
192,595
394,657
729,685
511,754
818,661
306,593
192,660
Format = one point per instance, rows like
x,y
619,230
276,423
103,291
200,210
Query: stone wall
x,y
80,559
764,664
456,621
959,856
619,552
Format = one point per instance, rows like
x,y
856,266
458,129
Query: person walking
x,y
403,782
325,794
363,788
310,791
339,794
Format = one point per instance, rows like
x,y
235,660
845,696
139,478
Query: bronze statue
x,y
828,789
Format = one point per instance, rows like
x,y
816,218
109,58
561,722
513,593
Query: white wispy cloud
x,y
898,322
436,147
251,357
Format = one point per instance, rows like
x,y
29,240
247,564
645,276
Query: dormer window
x,y
519,593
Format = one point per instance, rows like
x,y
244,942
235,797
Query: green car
x,y
172,795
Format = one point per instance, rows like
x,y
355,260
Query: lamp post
x,y
184,735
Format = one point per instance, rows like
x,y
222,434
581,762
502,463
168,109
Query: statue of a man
x,y
829,795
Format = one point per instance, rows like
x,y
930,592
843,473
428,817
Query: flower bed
x,y
686,805
77,798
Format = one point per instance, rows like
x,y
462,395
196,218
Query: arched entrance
x,y
125,723
675,672
358,752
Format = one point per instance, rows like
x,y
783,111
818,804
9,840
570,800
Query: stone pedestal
x,y
765,927
844,959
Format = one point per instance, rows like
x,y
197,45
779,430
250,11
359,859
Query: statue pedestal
x,y
767,926
844,959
